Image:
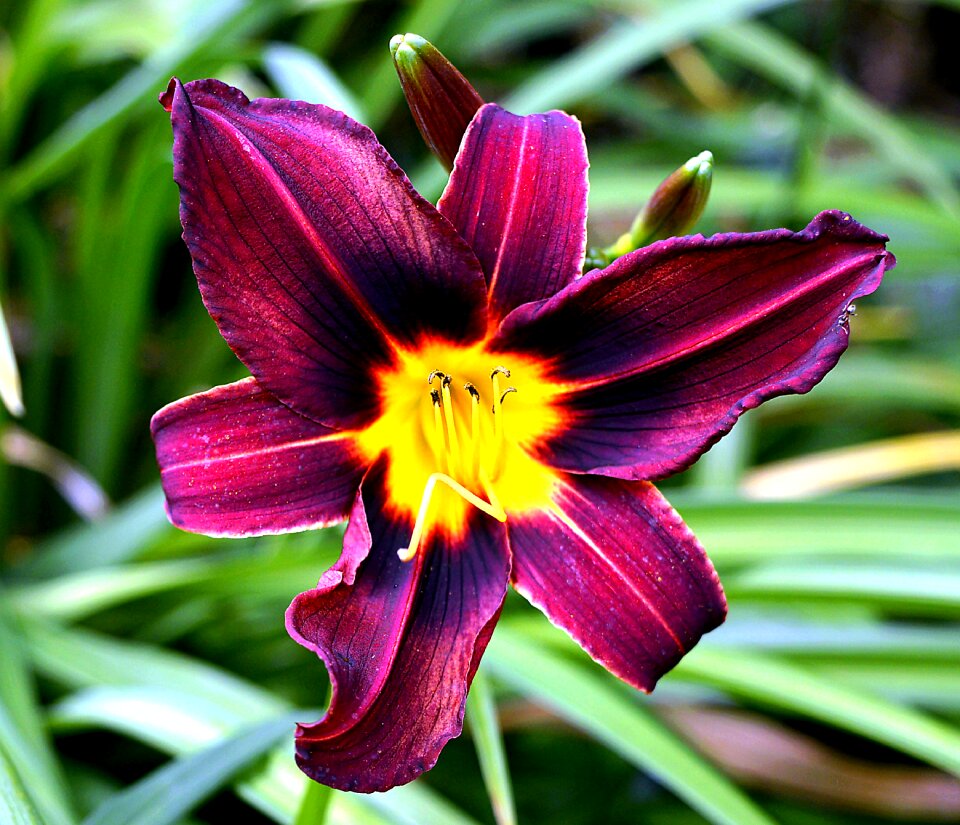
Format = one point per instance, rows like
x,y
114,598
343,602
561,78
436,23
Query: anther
x,y
446,381
500,371
507,392
435,397
474,392
436,374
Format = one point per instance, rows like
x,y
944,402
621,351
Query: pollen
x,y
460,428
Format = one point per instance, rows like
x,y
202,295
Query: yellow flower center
x,y
457,424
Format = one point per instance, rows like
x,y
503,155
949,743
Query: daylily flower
x,y
482,412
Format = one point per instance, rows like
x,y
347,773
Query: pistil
x,y
492,508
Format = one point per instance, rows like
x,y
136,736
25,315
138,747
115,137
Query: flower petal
x,y
612,563
401,641
518,195
668,346
234,461
313,252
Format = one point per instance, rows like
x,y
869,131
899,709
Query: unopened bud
x,y
673,209
441,99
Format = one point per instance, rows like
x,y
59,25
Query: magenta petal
x,y
518,195
612,563
669,345
401,641
313,252
234,461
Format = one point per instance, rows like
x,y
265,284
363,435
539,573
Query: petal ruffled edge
x,y
401,641
667,347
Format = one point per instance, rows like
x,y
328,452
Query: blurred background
x,y
145,674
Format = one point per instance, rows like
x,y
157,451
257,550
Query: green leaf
x,y
214,22
11,394
171,720
791,688
82,658
894,586
128,530
876,525
588,701
174,790
301,75
777,57
15,806
624,47
23,735
189,699
81,594
485,728
314,804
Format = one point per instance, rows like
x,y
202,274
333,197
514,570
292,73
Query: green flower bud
x,y
673,209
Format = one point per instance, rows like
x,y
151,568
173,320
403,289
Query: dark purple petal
x,y
612,563
441,100
401,641
234,461
314,254
669,345
518,195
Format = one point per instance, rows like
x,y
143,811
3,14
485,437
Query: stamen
x,y
498,418
439,440
453,465
474,425
492,508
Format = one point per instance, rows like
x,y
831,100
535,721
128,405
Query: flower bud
x,y
673,209
441,99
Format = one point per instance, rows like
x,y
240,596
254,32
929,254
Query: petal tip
x,y
166,96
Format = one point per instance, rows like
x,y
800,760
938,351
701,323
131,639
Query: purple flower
x,y
483,414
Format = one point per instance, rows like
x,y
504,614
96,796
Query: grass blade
x,y
850,467
624,47
588,701
933,591
23,737
301,75
15,806
174,790
794,689
10,392
215,22
780,60
314,804
485,728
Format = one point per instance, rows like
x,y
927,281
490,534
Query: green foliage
x,y
145,674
